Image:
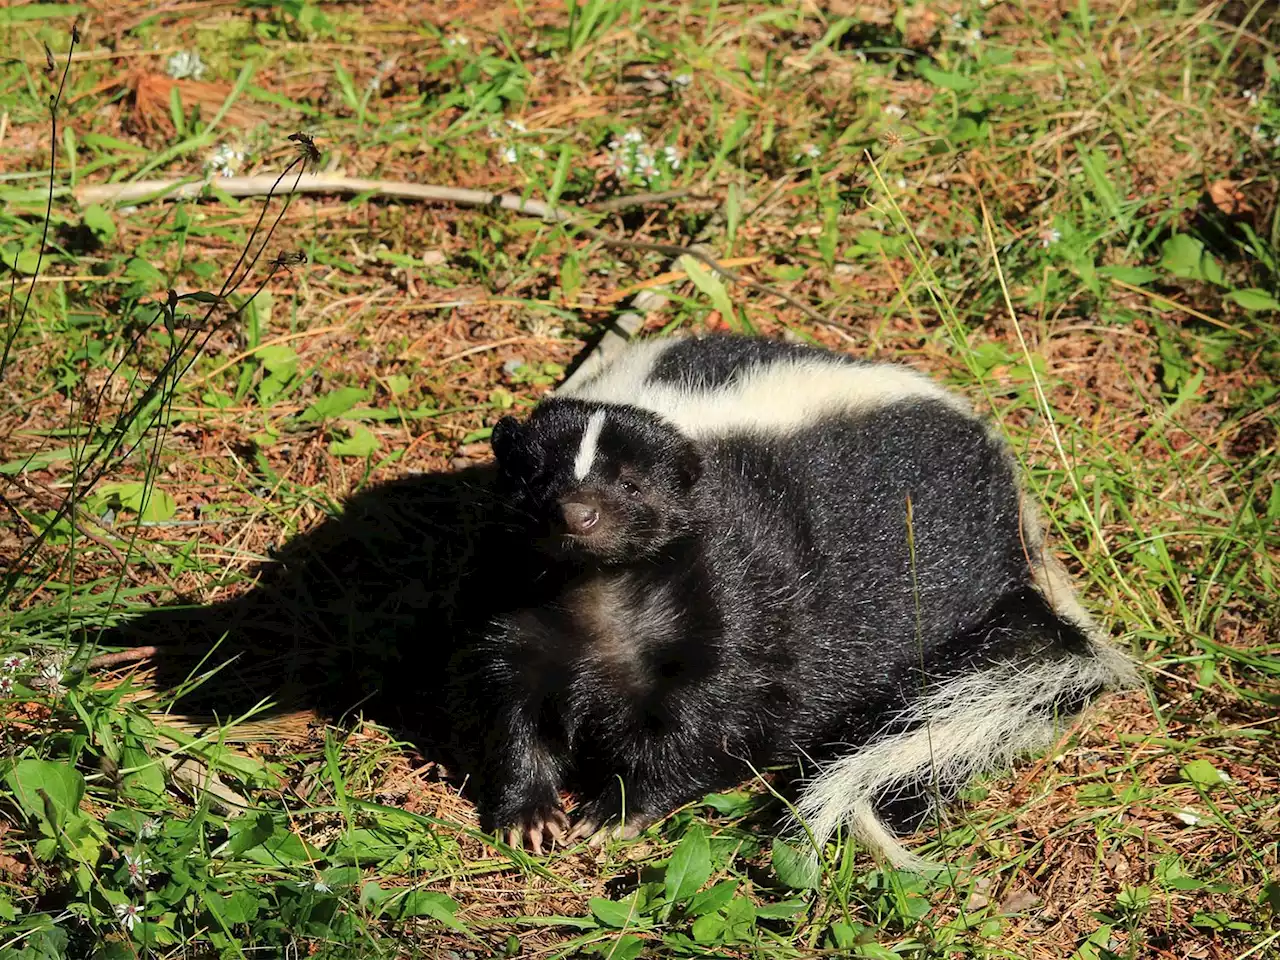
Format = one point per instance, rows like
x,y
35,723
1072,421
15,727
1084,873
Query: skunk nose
x,y
579,518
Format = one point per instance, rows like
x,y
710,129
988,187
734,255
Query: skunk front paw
x,y
535,824
598,823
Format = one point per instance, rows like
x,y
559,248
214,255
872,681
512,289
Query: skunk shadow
x,y
365,612
361,613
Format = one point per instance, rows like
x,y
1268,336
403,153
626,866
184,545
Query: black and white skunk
x,y
759,553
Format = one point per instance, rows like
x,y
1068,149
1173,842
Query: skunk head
x,y
600,482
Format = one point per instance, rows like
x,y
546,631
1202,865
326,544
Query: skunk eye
x,y
629,488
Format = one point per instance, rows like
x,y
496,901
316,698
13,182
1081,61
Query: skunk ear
x,y
504,438
690,465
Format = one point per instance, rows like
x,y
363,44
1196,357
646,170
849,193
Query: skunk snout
x,y
579,516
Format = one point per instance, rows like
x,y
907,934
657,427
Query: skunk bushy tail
x,y
977,721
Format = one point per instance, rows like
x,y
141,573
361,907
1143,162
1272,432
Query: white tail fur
x,y
978,723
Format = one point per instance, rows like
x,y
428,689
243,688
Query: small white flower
x,y
672,156
1049,237
895,111
150,828
971,38
810,150
509,155
957,21
51,677
902,183
320,887
457,40
1275,141
6,686
631,156
12,662
1187,817
128,914
537,152
225,161
185,64
682,79
1252,97
517,126
493,132
136,866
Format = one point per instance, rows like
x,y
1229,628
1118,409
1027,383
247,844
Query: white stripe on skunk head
x,y
587,449
597,482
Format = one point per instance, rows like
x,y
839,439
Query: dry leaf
x,y
1229,198
12,867
1018,900
151,92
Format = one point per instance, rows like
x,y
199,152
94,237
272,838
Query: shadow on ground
x,y
361,613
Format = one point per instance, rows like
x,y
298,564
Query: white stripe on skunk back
x,y
976,724
779,396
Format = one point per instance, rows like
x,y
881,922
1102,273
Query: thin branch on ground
x,y
132,655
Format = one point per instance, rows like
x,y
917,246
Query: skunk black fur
x,y
760,552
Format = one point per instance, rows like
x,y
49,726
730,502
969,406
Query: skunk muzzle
x,y
579,516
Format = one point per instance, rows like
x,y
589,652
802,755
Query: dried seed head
x,y
892,139
288,259
306,146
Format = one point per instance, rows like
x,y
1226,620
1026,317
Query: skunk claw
x,y
538,824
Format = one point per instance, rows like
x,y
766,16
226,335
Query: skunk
x,y
758,553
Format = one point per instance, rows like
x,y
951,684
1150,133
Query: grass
x,y
1068,211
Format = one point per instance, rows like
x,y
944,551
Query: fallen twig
x,y
639,200
121,656
189,188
